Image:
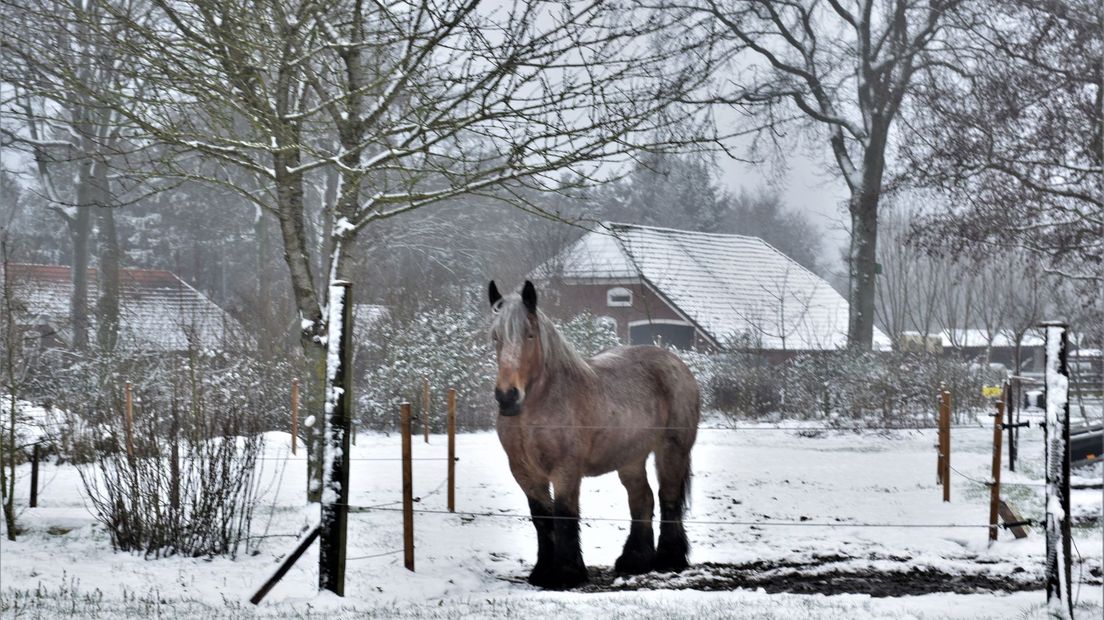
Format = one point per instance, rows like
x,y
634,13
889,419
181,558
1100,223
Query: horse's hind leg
x,y
673,471
639,553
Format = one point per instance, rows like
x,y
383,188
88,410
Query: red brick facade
x,y
565,299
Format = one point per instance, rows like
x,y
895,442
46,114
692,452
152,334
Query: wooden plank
x,y
285,566
1009,516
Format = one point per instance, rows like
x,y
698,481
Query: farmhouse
x,y
157,310
691,289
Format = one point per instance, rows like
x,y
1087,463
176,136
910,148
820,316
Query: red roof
x,y
157,309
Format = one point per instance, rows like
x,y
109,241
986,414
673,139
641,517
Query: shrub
x,y
188,485
450,347
893,388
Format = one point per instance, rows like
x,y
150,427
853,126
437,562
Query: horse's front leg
x,y
537,492
567,553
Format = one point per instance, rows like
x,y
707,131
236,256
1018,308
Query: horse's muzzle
x,y
509,401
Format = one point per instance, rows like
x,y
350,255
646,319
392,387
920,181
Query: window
x,y
662,333
619,297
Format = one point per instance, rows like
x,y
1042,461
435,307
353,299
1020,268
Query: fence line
x,y
505,515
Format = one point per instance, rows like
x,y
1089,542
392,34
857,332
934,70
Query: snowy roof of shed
x,y
157,310
976,338
732,286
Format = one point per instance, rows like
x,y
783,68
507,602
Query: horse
x,y
563,417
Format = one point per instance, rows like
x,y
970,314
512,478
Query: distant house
x,y
157,310
690,289
974,344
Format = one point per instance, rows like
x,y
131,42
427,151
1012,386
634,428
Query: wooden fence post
x,y
994,484
1056,439
452,450
34,475
407,491
945,442
425,407
1010,393
939,438
338,412
129,421
294,416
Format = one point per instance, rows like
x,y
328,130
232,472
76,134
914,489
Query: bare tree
x,y
1016,132
374,110
846,66
75,142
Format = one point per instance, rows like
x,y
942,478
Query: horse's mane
x,y
557,353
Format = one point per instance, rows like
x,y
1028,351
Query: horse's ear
x,y
493,293
529,297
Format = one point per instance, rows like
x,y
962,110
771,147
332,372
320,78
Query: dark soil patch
x,y
833,574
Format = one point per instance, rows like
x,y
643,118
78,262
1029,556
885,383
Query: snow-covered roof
x,y
157,310
978,338
732,286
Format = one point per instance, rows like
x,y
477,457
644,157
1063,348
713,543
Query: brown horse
x,y
562,417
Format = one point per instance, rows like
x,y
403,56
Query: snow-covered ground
x,y
475,566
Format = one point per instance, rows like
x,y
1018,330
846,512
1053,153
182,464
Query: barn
x,y
695,290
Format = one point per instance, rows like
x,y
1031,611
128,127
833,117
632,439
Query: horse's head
x,y
517,340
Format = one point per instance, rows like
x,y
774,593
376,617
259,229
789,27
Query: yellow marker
x,y
991,391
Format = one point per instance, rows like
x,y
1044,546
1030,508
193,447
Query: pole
x,y
939,439
288,562
34,476
407,491
1010,392
994,485
1058,560
129,421
338,410
945,442
294,415
452,450
425,407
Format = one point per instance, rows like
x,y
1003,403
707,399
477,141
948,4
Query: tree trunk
x,y
863,254
80,230
107,242
864,238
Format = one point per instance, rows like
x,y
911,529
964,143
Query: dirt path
x,y
878,576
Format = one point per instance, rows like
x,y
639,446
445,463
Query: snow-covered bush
x,y
588,334
892,388
184,479
450,347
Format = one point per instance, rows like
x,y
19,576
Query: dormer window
x,y
619,297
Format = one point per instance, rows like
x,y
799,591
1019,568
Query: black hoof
x,y
671,562
635,563
542,576
565,578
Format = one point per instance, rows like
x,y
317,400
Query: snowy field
x,y
474,566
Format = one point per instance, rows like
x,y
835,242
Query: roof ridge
x,y
681,231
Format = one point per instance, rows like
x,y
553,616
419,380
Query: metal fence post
x,y
338,412
1057,437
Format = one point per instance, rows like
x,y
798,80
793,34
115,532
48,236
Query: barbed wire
x,y
374,555
504,515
